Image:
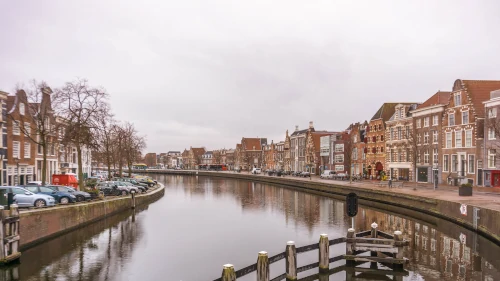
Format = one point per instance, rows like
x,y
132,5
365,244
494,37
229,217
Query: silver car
x,y
26,198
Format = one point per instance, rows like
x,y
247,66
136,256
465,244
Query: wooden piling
x,y
228,273
349,247
373,234
398,239
2,234
324,253
132,194
263,267
291,261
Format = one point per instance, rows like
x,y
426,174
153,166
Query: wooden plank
x,y
378,271
307,248
363,233
385,235
376,259
11,239
371,240
368,247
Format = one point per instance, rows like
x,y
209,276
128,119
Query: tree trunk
x,y
80,167
130,169
44,159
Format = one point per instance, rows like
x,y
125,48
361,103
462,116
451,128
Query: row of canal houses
x,y
450,138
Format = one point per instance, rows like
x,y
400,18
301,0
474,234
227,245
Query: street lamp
x,y
17,164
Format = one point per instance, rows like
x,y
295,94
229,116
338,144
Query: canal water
x,y
202,223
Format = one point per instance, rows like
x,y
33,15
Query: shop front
x,y
492,178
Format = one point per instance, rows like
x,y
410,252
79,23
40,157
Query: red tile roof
x,y
251,143
479,91
198,151
440,97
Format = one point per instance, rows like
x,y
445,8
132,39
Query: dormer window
x,y
458,99
21,109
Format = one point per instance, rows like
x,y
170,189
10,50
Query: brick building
x,y
194,157
298,148
427,128
313,149
492,140
3,139
375,157
287,160
280,155
250,153
150,159
357,132
463,130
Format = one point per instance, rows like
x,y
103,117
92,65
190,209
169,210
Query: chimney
x,y
296,128
311,124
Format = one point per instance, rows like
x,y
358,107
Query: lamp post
x,y
17,165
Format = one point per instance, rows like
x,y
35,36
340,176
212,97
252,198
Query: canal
x,y
202,223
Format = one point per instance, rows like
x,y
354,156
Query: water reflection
x,y
208,222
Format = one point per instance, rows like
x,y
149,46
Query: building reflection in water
x,y
438,250
91,253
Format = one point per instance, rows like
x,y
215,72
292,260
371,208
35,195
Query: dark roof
x,y
386,111
440,97
300,132
173,152
209,152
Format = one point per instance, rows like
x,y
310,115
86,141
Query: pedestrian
x,y
390,182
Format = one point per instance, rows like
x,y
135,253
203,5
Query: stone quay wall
x,y
39,225
488,223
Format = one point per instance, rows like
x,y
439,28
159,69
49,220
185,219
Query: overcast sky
x,y
206,73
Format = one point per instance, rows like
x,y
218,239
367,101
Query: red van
x,y
65,179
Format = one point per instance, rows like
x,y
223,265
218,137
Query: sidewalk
x,y
489,199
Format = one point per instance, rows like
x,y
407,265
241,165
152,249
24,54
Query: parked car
x,y
62,197
256,171
327,174
305,174
80,195
112,188
134,182
138,189
27,198
341,176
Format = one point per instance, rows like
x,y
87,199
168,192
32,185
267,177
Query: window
x,y
21,109
391,155
468,138
363,154
407,155
339,158
451,119
15,128
400,155
492,112
391,135
27,128
426,157
339,147
407,134
465,117
45,189
426,121
399,133
355,153
418,139
418,157
435,120
491,158
471,163
418,123
15,149
491,134
339,168
445,163
435,156
454,163
33,189
27,150
434,137
426,137
458,100
458,138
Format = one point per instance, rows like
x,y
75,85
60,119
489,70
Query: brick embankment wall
x,y
39,225
488,224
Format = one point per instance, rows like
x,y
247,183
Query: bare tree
x,y
106,134
37,123
133,144
81,106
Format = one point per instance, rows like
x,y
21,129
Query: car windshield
x,y
17,190
33,189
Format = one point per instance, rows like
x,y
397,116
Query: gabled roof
x,y
198,151
301,132
387,109
252,143
479,91
441,97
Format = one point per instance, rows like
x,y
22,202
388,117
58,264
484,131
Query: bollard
x,y
263,266
324,253
228,273
398,237
374,230
291,261
348,247
132,194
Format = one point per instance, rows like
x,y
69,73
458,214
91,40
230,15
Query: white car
x,y
256,171
327,174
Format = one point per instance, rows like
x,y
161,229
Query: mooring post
x,y
324,253
228,273
349,246
291,261
373,235
132,194
263,266
398,239
14,229
2,235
